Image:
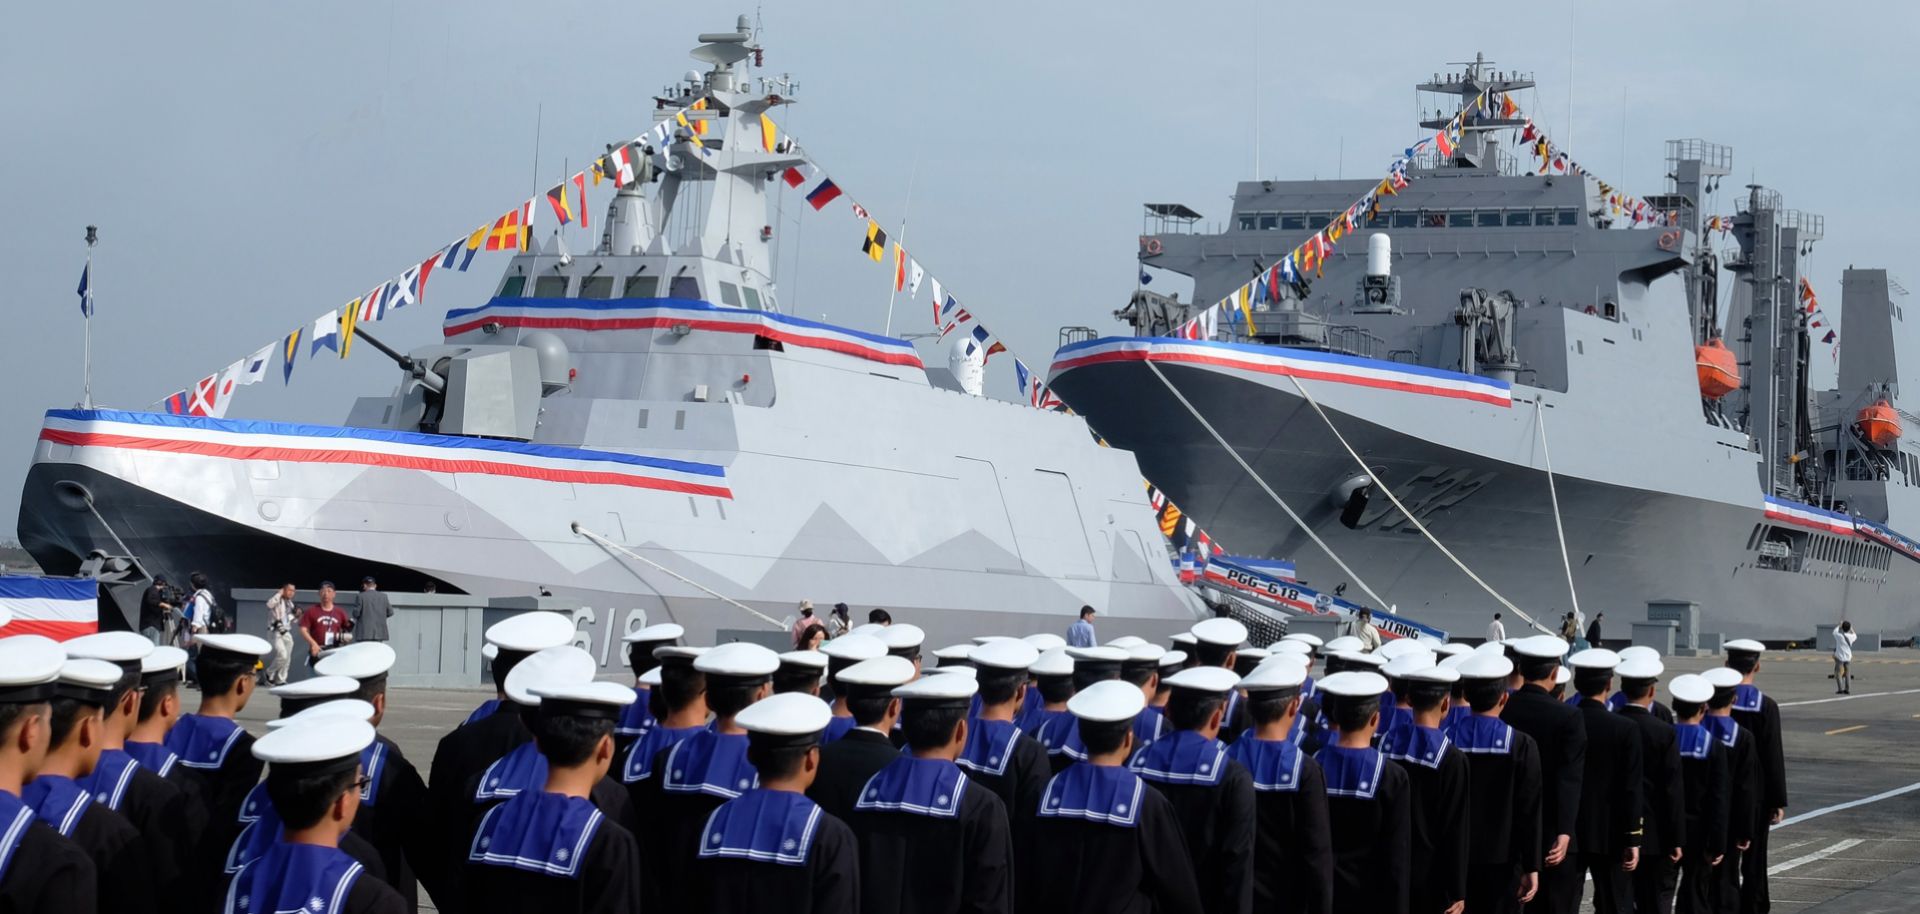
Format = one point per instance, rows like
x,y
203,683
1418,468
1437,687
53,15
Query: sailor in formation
x,y
1662,801
841,653
76,727
1745,796
1504,790
1606,842
1760,714
394,814
642,643
1368,800
848,762
1212,795
1437,780
1707,785
999,754
1560,734
1292,846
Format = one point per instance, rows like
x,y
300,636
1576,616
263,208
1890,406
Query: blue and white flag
x,y
86,291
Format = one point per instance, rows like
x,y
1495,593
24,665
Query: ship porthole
x,y
270,510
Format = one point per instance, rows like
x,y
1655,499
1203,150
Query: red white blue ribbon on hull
x,y
1304,364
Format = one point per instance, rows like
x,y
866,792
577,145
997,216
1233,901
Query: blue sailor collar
x,y
304,878
1107,794
1693,740
1061,735
538,832
154,757
373,764
1149,725
1351,772
836,727
483,712
203,742
1455,714
640,756
711,763
1616,701
1482,735
15,818
770,826
1033,711
1725,729
521,770
926,787
1393,717
256,804
110,777
58,801
1307,688
1747,697
261,832
636,718
1424,746
990,746
1185,757
1274,764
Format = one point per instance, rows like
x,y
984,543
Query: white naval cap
x,y
962,671
489,650
329,738
1005,655
870,628
1254,654
689,653
1432,674
1275,674
88,680
939,690
1053,662
1307,638
1373,660
1562,674
1126,641
531,631
1453,661
902,636
165,664
1638,650
953,653
1479,665
812,660
1691,687
989,639
1185,639
592,698
1407,663
1172,659
1144,654
852,646
1495,648
352,708
1453,649
1101,654
1352,684
359,660
788,714
243,645
740,659
1299,648
1594,658
1744,646
1108,701
880,672
1045,641
1640,668
1343,643
113,647
316,687
1542,647
650,678
29,664
1220,631
1204,679
659,631
547,668
1398,646
1722,677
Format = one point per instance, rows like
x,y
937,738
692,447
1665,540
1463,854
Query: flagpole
x,y
86,323
902,243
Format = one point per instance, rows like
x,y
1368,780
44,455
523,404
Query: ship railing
x,y
1502,162
1711,155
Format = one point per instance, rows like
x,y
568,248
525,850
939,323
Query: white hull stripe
x,y
1298,363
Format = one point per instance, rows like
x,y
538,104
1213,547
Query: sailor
x,y
167,818
41,871
641,643
953,655
1760,714
485,709
1746,812
1246,658
1458,708
1396,713
394,815
680,694
1211,794
1184,641
1560,733
847,763
1707,786
1061,733
904,640
1028,715
1171,662
1663,806
1292,848
1503,764
1367,801
302,694
553,848
1437,778
771,848
930,838
1307,730
799,671
81,695
1142,669
314,768
1052,675
1217,642
843,652
1608,829
1619,700
702,771
1101,840
487,736
998,754
1562,677
216,755
160,675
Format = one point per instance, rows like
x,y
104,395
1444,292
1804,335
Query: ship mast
x,y
1775,345
1477,147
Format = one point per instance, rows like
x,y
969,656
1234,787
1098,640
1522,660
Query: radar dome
x,y
968,364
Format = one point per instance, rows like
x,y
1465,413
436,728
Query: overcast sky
x,y
252,165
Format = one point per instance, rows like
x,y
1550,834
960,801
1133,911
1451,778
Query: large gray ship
x,y
640,426
1521,372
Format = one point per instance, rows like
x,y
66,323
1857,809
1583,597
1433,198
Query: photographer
x,y
281,614
324,626
156,611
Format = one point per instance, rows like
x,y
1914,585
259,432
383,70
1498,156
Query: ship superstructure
x,y
1489,322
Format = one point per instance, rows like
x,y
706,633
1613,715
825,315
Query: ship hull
x,y
1626,544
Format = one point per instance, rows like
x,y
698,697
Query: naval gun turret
x,y
482,391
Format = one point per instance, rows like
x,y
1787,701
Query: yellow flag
x,y
1241,300
348,316
767,133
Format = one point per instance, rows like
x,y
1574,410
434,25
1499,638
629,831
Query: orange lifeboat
x,y
1879,424
1719,373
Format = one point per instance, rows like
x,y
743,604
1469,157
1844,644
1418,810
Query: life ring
x,y
1669,241
1149,245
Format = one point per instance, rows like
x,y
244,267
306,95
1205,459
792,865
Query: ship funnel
x,y
1379,255
968,364
556,366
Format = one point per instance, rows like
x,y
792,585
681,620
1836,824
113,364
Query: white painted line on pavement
x,y
1821,854
1816,813
1822,701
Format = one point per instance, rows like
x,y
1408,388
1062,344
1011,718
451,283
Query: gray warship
x,y
1516,366
639,426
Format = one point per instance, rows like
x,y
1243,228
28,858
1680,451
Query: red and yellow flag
x,y
507,233
769,135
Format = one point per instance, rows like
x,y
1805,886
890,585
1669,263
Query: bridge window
x,y
1269,221
1319,220
596,287
1460,220
513,286
1293,222
550,287
1520,217
1406,220
684,287
643,287
1569,217
730,295
1377,220
1487,218
1246,223
753,297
